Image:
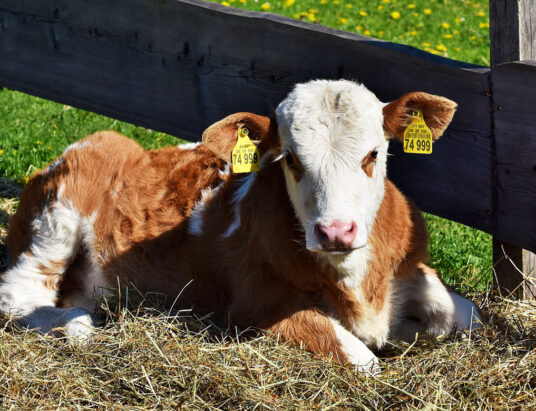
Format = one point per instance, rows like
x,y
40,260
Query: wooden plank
x,y
514,95
178,66
513,30
512,35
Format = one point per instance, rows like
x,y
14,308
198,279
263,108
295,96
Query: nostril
x,y
336,235
321,234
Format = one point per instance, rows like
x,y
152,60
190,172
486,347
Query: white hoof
x,y
77,324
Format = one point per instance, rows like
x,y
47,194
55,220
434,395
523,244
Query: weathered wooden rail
x,y
179,65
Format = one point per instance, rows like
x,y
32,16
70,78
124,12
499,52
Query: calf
x,y
317,246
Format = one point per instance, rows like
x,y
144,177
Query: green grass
x,y
458,29
34,131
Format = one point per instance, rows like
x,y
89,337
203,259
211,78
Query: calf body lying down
x,y
318,246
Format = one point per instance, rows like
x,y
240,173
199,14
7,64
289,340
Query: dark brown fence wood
x,y
178,66
514,86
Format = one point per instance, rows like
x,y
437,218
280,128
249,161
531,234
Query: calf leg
x,y
28,290
423,304
327,336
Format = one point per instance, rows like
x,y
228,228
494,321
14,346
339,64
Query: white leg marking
x,y
356,351
55,242
425,305
466,316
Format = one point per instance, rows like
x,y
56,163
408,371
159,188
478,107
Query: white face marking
x,y
355,350
331,127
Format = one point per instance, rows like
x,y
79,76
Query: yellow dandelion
x,y
336,2
39,143
296,15
314,11
348,6
265,6
412,33
456,31
48,148
445,25
367,33
232,1
385,1
343,20
1,151
427,11
426,44
311,17
243,1
481,13
395,15
380,33
289,3
458,20
415,14
473,37
441,47
457,48
484,25
400,36
380,7
447,36
363,13
323,1
411,6
359,28
225,3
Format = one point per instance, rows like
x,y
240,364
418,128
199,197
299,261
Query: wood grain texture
x,y
178,66
514,86
512,30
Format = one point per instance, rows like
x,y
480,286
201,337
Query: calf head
x,y
334,139
331,138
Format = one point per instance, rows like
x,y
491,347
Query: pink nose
x,y
336,236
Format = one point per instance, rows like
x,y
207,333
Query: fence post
x,y
513,38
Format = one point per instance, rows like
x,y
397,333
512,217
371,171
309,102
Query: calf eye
x,y
368,162
289,158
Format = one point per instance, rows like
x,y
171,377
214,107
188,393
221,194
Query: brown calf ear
x,y
437,112
221,136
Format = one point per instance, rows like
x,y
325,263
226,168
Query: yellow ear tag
x,y
417,136
246,157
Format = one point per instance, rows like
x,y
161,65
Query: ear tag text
x,y
246,157
417,136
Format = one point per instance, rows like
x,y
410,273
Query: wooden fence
x,y
179,65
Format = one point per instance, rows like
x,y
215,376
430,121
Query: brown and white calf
x,y
318,246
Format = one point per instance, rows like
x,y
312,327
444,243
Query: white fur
x,y
331,126
79,145
59,231
189,146
195,222
356,351
424,305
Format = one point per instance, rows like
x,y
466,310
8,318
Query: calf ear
x,y
221,137
437,112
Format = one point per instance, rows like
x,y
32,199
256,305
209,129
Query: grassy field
x,y
146,359
458,29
